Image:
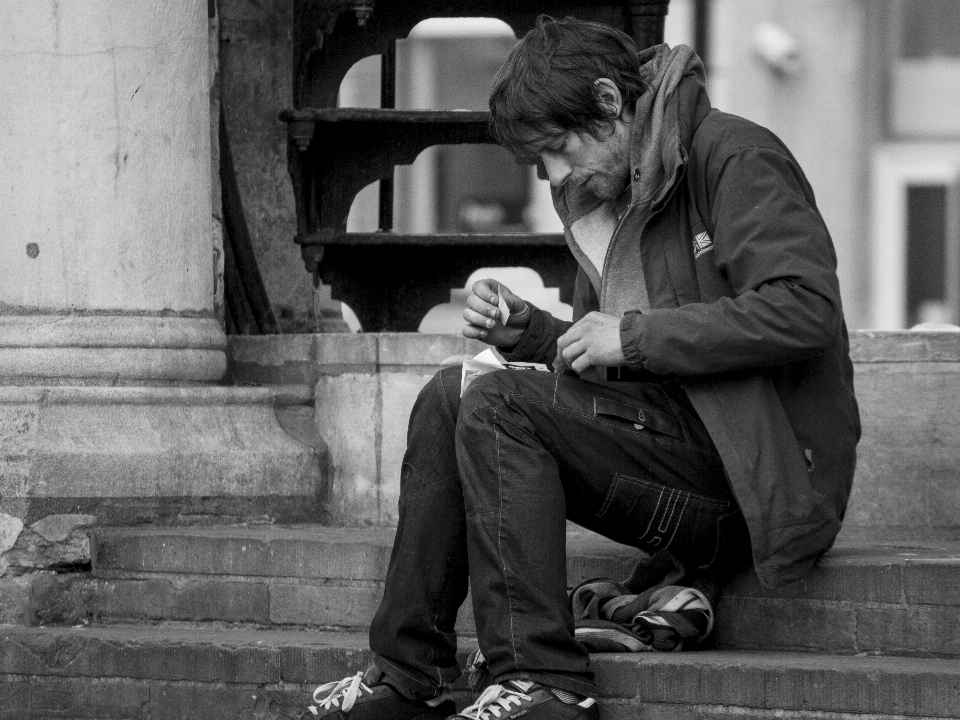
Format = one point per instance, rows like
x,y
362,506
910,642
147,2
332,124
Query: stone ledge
x,y
110,331
228,663
365,386
299,359
904,346
195,395
159,447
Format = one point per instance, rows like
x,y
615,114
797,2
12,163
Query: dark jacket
x,y
745,310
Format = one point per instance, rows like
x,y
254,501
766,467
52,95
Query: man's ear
x,y
608,97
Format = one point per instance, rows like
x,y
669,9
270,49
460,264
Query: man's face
x,y
602,164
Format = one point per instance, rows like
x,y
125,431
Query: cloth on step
x,y
647,612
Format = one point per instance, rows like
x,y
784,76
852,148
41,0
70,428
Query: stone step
x,y
865,596
307,575
172,671
891,596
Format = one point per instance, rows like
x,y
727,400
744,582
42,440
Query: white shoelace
x,y
493,702
347,691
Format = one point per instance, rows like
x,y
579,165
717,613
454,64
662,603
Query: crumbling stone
x,y
10,529
56,542
57,528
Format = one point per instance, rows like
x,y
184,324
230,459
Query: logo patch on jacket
x,y
701,244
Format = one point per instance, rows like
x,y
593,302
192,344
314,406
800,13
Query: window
x,y
925,69
915,273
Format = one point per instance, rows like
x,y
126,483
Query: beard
x,y
608,186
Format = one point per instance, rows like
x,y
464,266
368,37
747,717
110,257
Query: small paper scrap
x,y
488,361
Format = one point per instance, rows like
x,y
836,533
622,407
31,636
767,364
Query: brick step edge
x,y
888,596
742,622
191,671
895,571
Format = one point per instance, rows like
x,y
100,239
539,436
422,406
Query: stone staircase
x,y
243,621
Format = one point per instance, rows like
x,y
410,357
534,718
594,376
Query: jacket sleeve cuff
x,y
539,340
631,326
529,342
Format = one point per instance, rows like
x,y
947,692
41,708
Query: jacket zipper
x,y
613,240
616,230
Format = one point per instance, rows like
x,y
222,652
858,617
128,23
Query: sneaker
x,y
353,699
530,700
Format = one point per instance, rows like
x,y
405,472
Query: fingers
x,y
485,299
488,290
577,343
577,356
485,304
485,295
479,319
573,333
473,332
482,314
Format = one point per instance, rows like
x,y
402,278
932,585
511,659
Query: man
x,y
703,393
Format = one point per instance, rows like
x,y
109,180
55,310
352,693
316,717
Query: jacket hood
x,y
665,118
663,123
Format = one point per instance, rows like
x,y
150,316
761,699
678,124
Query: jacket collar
x,y
665,119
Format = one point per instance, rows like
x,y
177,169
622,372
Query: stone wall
x,y
909,455
365,386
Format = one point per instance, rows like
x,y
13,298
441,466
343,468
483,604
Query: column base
x,y
156,454
104,349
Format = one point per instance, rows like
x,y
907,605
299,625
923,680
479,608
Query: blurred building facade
x,y
866,93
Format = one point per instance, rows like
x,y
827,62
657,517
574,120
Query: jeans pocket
x,y
638,417
653,516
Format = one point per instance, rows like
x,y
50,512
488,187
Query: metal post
x,y
701,31
388,99
645,21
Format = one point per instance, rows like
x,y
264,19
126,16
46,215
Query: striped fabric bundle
x,y
609,618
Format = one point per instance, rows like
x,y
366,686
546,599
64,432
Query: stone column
x,y
106,259
109,345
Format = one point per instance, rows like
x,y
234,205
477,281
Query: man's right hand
x,y
483,314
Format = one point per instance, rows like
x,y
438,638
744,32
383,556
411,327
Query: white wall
x,y
820,111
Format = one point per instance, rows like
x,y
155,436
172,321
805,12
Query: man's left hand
x,y
592,341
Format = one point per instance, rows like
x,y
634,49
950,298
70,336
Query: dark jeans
x,y
486,487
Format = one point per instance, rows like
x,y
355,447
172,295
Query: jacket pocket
x,y
638,416
652,517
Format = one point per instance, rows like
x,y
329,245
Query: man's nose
x,y
558,170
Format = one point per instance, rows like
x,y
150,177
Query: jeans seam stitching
x,y
421,482
672,507
678,443
725,504
503,565
679,519
434,611
653,516
443,393
417,681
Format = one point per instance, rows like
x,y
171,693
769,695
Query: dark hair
x,y
545,87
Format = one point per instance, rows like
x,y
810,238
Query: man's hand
x,y
483,314
592,341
